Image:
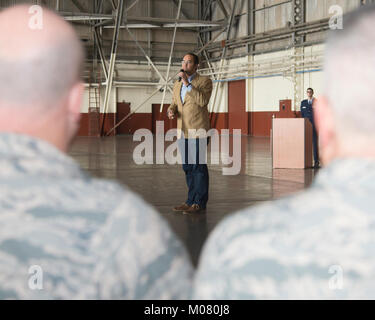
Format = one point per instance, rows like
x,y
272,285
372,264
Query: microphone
x,y
179,78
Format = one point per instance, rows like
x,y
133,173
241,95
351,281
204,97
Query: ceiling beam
x,y
222,7
182,11
69,16
79,6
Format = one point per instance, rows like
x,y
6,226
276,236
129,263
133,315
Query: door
x,y
123,109
237,115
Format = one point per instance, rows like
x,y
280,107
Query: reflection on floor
x,y
163,185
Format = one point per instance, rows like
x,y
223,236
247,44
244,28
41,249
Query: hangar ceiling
x,y
158,32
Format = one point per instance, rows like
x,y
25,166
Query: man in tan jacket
x,y
191,95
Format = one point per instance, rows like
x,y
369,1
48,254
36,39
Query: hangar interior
x,y
261,56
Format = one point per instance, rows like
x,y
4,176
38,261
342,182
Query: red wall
x,y
109,123
138,121
259,122
219,121
237,115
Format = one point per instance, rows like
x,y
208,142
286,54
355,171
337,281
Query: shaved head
x,y
40,66
349,74
40,57
345,113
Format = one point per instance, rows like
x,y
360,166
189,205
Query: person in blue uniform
x,y
307,111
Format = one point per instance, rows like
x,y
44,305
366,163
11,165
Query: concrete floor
x,y
163,185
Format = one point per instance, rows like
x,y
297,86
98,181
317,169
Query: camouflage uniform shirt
x,y
65,235
319,244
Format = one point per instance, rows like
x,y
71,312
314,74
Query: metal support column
x,y
149,37
108,89
299,18
101,53
250,23
229,28
204,14
171,53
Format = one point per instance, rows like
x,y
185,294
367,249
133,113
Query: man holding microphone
x,y
191,95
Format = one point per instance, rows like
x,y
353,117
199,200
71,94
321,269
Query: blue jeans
x,y
194,164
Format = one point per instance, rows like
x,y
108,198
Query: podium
x,y
291,143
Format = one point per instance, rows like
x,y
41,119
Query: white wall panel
x,y
268,92
221,101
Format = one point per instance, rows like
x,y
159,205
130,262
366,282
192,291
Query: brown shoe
x,y
194,209
182,207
